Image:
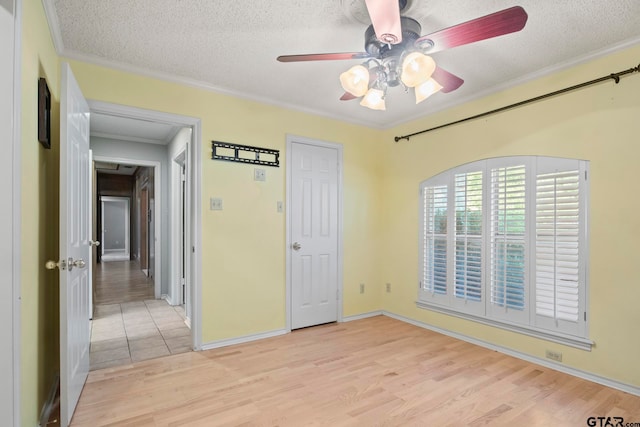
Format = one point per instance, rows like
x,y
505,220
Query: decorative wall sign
x,y
44,113
244,154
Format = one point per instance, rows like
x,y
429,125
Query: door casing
x,y
195,262
10,70
293,139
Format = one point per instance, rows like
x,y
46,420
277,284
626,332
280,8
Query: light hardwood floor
x,y
122,281
375,371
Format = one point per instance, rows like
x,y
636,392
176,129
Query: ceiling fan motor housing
x,y
388,74
379,49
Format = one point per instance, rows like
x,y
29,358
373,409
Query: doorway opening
x,y
114,226
146,305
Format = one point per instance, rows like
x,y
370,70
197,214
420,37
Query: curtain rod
x,y
614,76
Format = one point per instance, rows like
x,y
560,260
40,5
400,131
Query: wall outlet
x,y
362,288
215,204
259,175
388,287
554,355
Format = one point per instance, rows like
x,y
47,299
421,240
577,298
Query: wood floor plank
x,y
375,371
122,281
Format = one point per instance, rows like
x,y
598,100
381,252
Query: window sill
x,y
576,342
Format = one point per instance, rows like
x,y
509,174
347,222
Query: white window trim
x,y
569,340
441,306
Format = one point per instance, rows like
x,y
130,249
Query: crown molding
x,y
198,84
556,68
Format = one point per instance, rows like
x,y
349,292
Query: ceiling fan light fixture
x,y
417,68
355,80
374,99
426,89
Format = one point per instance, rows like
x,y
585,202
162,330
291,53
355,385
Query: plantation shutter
x,y
559,226
468,236
508,242
434,240
504,241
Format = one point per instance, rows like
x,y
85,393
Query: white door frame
x,y
11,213
293,139
180,243
196,196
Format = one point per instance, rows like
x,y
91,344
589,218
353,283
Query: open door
x,y
144,230
75,245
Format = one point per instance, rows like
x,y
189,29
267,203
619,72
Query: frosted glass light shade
x,y
355,80
417,68
374,99
426,89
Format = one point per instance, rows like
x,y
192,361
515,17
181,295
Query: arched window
x,y
504,241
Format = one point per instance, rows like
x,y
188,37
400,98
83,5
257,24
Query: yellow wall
x,y
600,124
243,253
40,350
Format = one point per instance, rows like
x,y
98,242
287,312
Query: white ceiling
x,y
132,130
231,45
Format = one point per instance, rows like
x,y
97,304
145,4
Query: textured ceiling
x,y
231,45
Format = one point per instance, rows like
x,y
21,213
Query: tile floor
x,y
138,330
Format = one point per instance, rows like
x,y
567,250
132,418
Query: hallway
x,y
128,324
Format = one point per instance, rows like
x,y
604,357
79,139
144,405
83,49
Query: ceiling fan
x,y
396,54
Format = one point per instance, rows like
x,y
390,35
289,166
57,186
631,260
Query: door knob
x,y
94,243
79,263
296,246
63,264
52,265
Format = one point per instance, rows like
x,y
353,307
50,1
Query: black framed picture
x,y
44,113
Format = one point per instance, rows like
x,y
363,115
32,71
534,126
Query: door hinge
x,y
585,316
585,175
337,295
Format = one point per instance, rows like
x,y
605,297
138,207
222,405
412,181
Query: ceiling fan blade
x,y
323,56
347,97
385,18
496,24
448,81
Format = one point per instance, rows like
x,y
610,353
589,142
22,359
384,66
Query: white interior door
x,y
314,235
74,244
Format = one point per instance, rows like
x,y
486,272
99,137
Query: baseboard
x,y
53,400
628,388
362,316
243,339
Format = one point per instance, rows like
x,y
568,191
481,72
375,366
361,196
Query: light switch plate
x,y
259,175
215,204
